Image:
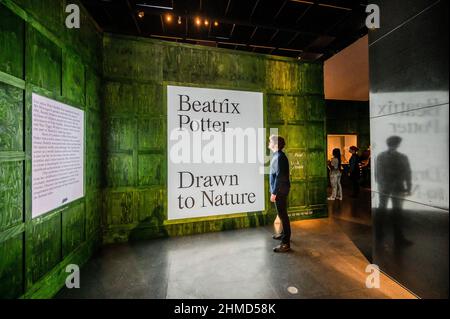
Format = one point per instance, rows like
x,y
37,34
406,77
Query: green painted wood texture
x,y
38,54
135,74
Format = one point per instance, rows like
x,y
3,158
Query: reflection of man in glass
x,y
393,175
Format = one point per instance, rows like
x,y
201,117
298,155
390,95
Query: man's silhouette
x,y
393,176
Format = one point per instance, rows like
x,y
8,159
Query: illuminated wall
x,y
136,71
38,54
409,135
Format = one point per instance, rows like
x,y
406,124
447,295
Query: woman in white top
x,y
335,175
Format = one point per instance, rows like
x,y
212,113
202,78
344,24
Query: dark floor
x,y
353,215
325,262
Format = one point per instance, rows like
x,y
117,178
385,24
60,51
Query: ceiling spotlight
x,y
179,20
168,18
198,21
206,22
216,24
141,14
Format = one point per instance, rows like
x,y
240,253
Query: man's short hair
x,y
393,141
278,140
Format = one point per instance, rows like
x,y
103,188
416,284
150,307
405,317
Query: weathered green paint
x,y
11,194
11,37
43,67
135,136
11,267
11,118
38,54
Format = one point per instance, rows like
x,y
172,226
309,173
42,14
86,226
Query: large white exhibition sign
x,y
57,154
216,152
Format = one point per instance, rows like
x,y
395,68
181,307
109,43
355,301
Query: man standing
x,y
279,189
354,170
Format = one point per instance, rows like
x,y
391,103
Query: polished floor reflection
x,y
324,263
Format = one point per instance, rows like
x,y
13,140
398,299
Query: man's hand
x,y
273,197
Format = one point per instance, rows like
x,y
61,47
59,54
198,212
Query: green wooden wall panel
x,y
275,107
282,76
297,136
124,59
43,67
316,135
93,89
312,78
231,69
11,43
295,108
118,98
317,192
121,208
11,118
93,212
11,193
73,228
65,65
150,169
93,132
120,170
298,162
11,267
73,82
93,175
297,195
48,12
188,65
147,99
316,108
121,134
43,247
289,108
151,133
315,164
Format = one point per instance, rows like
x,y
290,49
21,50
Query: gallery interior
x,y
103,75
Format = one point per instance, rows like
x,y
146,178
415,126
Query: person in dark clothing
x,y
279,189
354,170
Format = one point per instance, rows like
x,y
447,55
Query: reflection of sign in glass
x,y
420,120
57,154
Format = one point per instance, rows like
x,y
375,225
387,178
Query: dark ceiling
x,y
310,30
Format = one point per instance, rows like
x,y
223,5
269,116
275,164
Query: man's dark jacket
x,y
279,174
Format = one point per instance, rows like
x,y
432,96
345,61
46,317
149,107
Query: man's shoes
x,y
331,198
277,236
282,248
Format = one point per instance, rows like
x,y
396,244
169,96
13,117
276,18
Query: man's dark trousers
x,y
281,205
